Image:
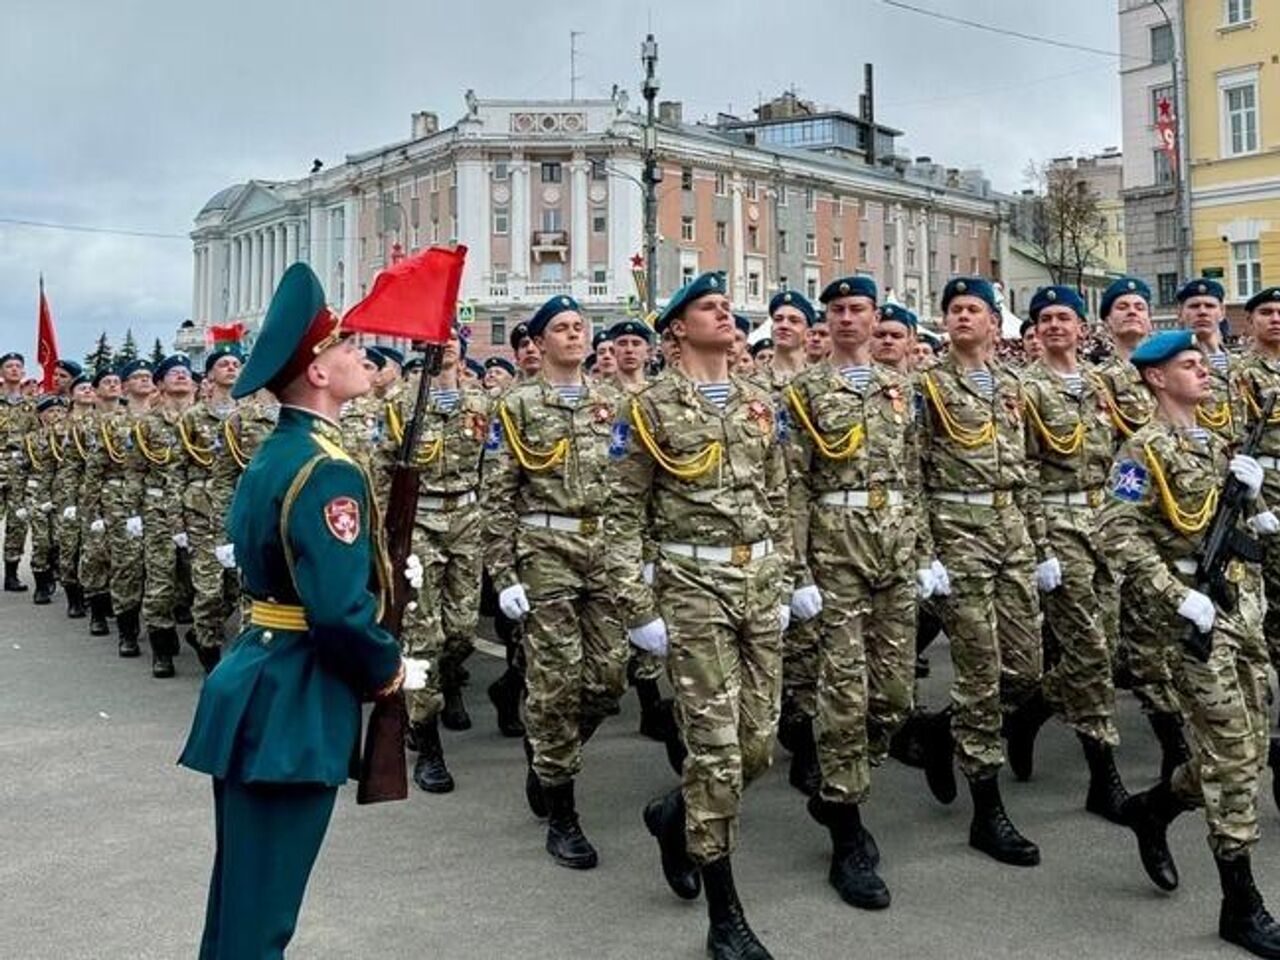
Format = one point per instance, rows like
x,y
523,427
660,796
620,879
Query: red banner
x,y
1167,132
46,343
414,298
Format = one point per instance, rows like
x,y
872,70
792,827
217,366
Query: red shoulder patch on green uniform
x,y
342,517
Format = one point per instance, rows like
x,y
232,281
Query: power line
x,y
1004,31
986,90
84,228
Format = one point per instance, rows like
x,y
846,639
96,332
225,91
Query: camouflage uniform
x,y
853,482
66,493
95,557
158,446
1257,376
367,434
122,495
243,431
17,419
43,451
1069,439
446,537
1145,530
694,477
544,490
989,532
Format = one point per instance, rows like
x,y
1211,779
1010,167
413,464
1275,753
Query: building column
x,y
926,249
521,228
233,280
246,272
255,267
626,224
280,262
737,246
474,226
580,233
351,265
291,242
209,281
900,253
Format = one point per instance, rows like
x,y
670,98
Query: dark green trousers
x,y
268,836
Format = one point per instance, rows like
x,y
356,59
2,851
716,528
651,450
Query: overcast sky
x,y
130,114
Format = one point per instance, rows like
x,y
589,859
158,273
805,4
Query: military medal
x,y
761,414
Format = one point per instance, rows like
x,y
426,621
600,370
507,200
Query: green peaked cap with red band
x,y
297,327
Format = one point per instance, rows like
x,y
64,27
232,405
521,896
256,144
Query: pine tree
x,y
129,349
100,357
157,353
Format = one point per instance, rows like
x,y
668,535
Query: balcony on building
x,y
550,244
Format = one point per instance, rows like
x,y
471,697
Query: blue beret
x,y
171,362
296,324
476,367
48,401
900,314
1162,346
790,298
411,365
391,355
556,305
969,287
699,286
70,366
1059,296
631,328
589,363
502,362
519,334
742,323
376,357
1120,288
858,286
762,344
601,336
102,373
1025,325
223,350
1202,287
136,366
13,355
1267,295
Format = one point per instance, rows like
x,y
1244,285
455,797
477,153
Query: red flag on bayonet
x,y
46,342
414,298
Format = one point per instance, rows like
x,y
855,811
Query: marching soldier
x,y
43,455
700,472
602,349
95,556
761,354
17,418
123,499
528,356
499,372
632,340
68,524
817,339
545,550
894,338
1161,495
1200,310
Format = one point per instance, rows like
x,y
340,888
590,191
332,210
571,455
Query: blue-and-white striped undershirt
x,y
444,400
1218,361
717,393
983,380
570,392
859,377
1073,382
1198,434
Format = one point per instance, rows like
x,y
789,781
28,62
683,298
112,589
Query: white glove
x,y
413,571
1049,575
180,541
21,513
1199,610
98,526
647,573
68,513
941,579
1265,524
133,528
1249,472
784,618
926,583
651,637
46,507
415,673
226,555
806,603
513,602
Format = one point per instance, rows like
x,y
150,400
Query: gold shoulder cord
x,y
201,455
689,468
114,455
79,444
51,441
535,461
1127,426
146,451
1062,444
31,452
1252,402
1214,419
233,443
964,436
841,449
395,422
1184,521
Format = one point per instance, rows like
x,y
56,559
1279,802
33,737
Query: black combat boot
x,y
11,582
1148,815
45,585
534,794
853,873
664,819
127,624
75,601
1020,729
164,647
939,757
1174,751
729,937
805,774
454,716
908,741
182,615
209,657
788,719
1273,761
1244,919
653,719
98,626
566,842
1106,789
429,770
992,831
505,694
674,744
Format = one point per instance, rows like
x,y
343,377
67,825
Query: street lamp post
x,y
1181,188
652,175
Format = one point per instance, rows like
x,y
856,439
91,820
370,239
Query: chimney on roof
x,y
425,123
670,111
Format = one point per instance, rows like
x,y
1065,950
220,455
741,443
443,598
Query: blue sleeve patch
x,y
494,440
782,423
1128,481
619,440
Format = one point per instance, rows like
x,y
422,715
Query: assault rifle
x,y
1224,542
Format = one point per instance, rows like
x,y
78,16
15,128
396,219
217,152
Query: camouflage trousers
x,y
95,556
68,534
725,665
574,643
215,589
1226,704
166,566
862,562
801,657
1137,649
1077,680
442,624
1271,575
992,618
128,569
43,542
12,497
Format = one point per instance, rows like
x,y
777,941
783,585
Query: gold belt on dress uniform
x,y
277,616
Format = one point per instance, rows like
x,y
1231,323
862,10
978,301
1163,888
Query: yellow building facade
x,y
1233,101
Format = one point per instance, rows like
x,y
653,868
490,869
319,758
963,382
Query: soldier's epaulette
x,y
333,450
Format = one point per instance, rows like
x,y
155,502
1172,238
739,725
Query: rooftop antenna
x,y
573,64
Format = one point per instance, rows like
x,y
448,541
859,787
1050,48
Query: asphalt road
x,y
105,844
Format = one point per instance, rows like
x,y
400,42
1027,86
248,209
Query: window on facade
x,y
551,219
552,271
1241,106
955,227
810,245
1248,268
753,237
1158,96
686,228
598,169
753,284
810,199
599,273
782,194
501,220
784,242
1239,11
721,185
911,257
687,272
811,287
753,189
954,265
973,265
497,328
1162,43
722,233
552,172
888,257
1166,288
686,178
862,251
1163,169
500,172
837,249
433,206
1166,229
599,221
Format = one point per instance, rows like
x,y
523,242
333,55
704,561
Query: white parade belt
x,y
1073,498
447,501
739,555
556,521
981,498
875,499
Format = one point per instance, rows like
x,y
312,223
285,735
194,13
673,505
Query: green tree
x,y
129,349
157,353
100,357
